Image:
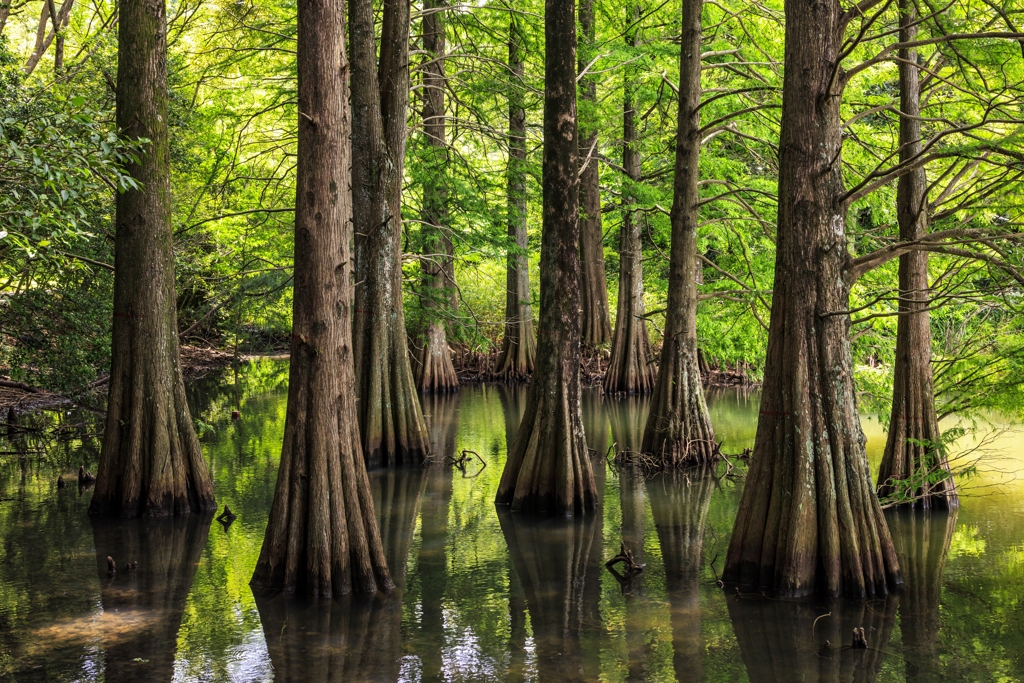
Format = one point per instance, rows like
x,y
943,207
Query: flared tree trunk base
x,y
435,373
679,432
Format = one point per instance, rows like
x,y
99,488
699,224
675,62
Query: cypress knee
x,y
151,462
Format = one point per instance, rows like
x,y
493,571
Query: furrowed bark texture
x,y
809,520
776,644
322,537
679,504
548,469
679,428
631,365
922,539
151,599
912,449
151,462
597,327
551,560
434,370
390,417
518,347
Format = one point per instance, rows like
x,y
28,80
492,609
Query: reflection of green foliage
x,y
966,542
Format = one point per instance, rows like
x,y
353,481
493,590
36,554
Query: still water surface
x,y
484,596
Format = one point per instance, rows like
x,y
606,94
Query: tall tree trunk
x,y
809,520
549,467
782,641
434,369
390,417
631,365
322,537
518,348
922,539
913,449
678,428
679,504
150,600
151,462
551,560
597,328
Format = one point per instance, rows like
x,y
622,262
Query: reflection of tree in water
x,y
433,563
679,503
147,602
552,559
513,404
353,638
779,641
441,413
628,417
922,539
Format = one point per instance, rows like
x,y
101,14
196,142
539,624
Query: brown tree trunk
x,y
518,347
551,560
597,328
780,641
631,365
679,429
549,468
148,601
434,370
679,504
151,462
809,520
913,449
390,417
322,537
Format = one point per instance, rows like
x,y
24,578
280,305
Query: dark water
x,y
485,596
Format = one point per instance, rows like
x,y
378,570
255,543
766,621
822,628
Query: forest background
x,y
233,149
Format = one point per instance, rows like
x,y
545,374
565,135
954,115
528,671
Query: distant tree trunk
x,y
809,520
679,504
922,539
551,560
434,369
322,537
151,462
549,467
390,417
631,366
518,348
150,599
597,328
679,429
913,446
776,646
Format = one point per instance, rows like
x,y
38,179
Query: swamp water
x,y
485,596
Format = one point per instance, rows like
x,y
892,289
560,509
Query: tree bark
x,y
679,504
679,430
322,537
631,365
776,644
390,417
597,328
149,600
434,370
518,347
548,469
809,520
922,539
913,448
151,462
